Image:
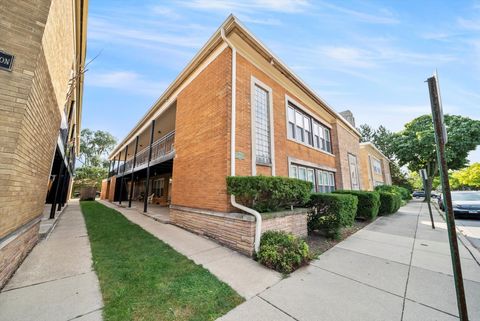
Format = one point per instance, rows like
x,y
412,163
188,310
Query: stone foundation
x,y
13,253
237,230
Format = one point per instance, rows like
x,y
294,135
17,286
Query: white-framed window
x,y
376,166
158,187
263,150
307,130
323,181
353,166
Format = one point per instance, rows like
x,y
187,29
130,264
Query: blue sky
x,y
371,57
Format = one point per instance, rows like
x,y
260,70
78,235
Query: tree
x,y
94,147
468,177
415,147
366,133
382,139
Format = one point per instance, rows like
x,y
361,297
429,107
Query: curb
x,y
463,239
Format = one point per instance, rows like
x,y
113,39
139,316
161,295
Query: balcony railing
x,y
161,149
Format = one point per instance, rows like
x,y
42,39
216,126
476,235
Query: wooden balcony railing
x,y
161,149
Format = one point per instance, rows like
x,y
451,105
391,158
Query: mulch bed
x,y
318,243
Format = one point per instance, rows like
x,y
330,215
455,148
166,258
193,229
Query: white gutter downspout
x,y
258,217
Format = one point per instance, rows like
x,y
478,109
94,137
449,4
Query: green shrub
x,y
368,203
402,191
389,203
282,251
269,193
330,212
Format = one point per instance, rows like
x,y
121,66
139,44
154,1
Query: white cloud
x,y
468,24
382,16
128,81
285,6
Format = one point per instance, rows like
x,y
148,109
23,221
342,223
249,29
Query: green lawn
x,y
142,278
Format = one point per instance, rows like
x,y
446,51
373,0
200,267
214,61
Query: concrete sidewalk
x,y
56,280
396,268
243,274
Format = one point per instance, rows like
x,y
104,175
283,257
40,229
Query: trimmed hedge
x,y
330,212
389,203
402,191
368,203
282,251
269,193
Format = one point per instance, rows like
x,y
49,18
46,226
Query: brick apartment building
x,y
236,109
375,167
42,53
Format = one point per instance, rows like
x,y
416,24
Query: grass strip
x,y
142,278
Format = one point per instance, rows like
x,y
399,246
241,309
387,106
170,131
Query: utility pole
x,y
441,140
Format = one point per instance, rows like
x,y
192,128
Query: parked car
x,y
464,203
418,194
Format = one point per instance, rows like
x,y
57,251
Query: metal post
x,y
118,163
123,174
109,168
54,203
133,168
145,198
64,178
66,189
440,140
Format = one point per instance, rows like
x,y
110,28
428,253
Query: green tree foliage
x,y
468,177
382,138
95,146
366,133
94,149
414,146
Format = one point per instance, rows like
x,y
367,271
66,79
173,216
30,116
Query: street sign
x,y
6,61
440,140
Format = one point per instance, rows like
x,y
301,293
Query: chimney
x,y
347,114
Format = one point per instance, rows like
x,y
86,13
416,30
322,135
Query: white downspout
x,y
258,217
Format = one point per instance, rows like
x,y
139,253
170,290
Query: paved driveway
x,y
397,268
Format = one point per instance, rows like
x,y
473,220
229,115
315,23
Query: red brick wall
x,y
111,188
345,142
201,138
104,190
284,148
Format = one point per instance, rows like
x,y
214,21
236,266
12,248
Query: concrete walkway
x,y
56,280
243,274
396,268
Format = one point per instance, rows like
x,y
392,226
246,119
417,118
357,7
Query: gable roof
x,y
371,145
231,24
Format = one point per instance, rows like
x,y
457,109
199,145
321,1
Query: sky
x,y
371,57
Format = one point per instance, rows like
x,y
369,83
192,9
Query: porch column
x,y
118,163
55,198
62,190
123,176
133,169
109,168
145,199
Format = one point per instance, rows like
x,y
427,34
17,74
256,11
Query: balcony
x,y
162,150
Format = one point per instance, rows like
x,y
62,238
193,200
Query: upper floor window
x,y
305,129
262,126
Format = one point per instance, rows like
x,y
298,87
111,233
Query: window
x,y
262,126
158,187
354,179
376,166
323,181
306,130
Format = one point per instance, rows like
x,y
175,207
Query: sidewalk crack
x,y
410,264
273,305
